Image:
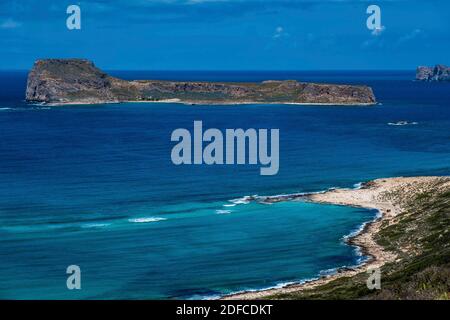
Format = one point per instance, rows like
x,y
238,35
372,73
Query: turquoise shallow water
x,y
94,186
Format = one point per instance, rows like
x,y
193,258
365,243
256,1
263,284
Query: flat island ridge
x,y
78,81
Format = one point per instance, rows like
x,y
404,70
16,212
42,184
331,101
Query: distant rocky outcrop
x,y
436,73
78,81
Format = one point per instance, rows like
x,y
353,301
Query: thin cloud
x,y
416,33
10,24
280,33
378,31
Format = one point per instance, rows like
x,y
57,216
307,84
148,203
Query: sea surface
x,y
94,186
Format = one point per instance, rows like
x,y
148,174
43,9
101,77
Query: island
x,y
79,81
436,73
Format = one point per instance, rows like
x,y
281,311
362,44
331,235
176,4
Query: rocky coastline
x,y
437,73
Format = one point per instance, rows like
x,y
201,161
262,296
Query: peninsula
x,y
79,81
409,242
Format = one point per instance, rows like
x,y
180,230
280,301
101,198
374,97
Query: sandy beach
x,y
388,196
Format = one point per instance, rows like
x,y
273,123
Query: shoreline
x,y
204,103
372,195
320,279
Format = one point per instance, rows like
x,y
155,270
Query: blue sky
x,y
227,34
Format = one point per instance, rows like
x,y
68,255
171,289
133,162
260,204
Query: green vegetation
x,y
421,239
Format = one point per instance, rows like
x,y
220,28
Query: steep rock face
x,y
65,81
436,73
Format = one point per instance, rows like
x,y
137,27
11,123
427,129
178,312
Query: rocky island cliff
x,y
78,81
436,73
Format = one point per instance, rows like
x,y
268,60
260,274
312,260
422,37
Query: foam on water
x,y
223,211
95,225
355,232
243,200
146,219
357,185
402,123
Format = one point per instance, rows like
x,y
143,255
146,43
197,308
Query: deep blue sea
x,y
94,186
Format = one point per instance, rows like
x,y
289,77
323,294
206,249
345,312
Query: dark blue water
x,y
94,186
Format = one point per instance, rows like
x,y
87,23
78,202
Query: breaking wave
x,y
223,211
146,219
402,123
